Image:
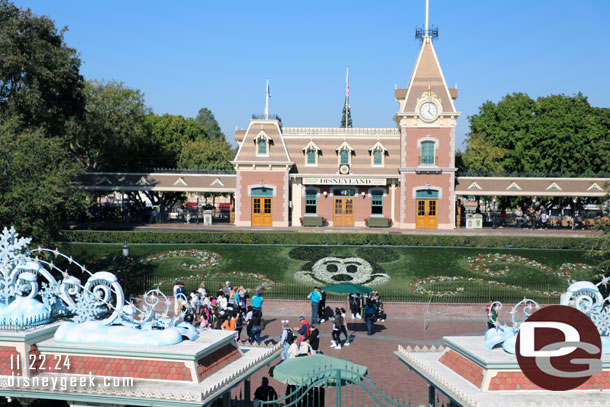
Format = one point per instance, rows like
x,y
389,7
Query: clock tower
x,y
427,118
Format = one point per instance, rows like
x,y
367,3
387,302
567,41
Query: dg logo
x,y
559,348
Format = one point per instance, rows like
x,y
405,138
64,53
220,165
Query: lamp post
x,y
125,255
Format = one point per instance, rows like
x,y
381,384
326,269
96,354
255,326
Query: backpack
x,y
290,336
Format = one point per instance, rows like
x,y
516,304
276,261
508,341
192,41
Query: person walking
x,y
315,298
257,301
287,338
337,326
344,326
255,331
369,315
354,305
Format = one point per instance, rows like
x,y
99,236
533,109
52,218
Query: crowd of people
x,y
228,309
534,216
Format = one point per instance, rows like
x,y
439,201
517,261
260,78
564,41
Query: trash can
x,y
477,219
469,221
207,217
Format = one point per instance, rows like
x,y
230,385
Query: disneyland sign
x,y
343,181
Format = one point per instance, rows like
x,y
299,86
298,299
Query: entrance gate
x,y
336,387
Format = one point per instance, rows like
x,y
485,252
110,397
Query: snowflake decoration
x,y
87,307
12,249
50,293
601,319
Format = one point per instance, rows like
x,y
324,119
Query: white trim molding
x,y
272,187
425,188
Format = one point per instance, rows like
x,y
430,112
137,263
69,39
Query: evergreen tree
x,y
347,112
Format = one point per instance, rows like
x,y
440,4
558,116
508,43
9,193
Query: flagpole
x,y
267,101
346,94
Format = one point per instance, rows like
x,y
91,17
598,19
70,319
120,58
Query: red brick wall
x,y
518,381
122,367
5,361
464,367
209,364
253,178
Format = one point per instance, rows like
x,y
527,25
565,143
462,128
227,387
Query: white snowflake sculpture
x,y
601,319
12,250
50,293
87,307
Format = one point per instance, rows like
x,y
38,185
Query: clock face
x,y
428,111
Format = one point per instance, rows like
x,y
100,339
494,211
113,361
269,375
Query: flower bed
x,y
482,264
262,281
207,259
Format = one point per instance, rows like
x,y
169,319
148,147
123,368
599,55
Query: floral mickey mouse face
x,y
333,270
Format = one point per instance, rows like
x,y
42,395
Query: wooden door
x,y
427,213
344,212
262,212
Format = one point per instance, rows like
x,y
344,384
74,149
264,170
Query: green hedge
x,y
300,238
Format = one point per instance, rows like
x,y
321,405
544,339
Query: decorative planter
x,y
378,222
312,221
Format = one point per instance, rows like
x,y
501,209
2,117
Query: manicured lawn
x,y
398,270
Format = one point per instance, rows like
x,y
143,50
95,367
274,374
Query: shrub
x,y
358,239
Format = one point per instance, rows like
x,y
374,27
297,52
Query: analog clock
x,y
428,111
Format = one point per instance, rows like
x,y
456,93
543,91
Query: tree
x,y
348,110
40,83
206,119
38,183
555,134
482,156
168,133
114,133
210,154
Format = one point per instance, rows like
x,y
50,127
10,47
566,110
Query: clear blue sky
x,y
189,54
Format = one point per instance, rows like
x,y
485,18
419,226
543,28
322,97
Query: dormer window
x,y
344,152
311,154
262,144
377,155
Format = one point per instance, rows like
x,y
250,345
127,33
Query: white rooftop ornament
x,y
30,295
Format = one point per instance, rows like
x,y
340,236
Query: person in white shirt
x,y
293,350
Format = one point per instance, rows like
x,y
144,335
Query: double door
x,y
344,212
427,214
262,212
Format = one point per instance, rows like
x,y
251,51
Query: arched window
x,y
377,157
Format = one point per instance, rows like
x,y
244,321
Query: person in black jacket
x,y
314,339
265,392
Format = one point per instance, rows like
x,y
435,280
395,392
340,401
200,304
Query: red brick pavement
x,y
377,351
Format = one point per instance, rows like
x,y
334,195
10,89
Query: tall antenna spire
x,y
428,31
267,94
427,8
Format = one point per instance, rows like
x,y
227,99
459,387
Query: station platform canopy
x,y
532,186
223,182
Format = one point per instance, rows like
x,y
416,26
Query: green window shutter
x,y
377,157
427,152
345,156
311,156
262,146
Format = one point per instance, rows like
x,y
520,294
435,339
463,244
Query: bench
x,y
378,222
313,221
